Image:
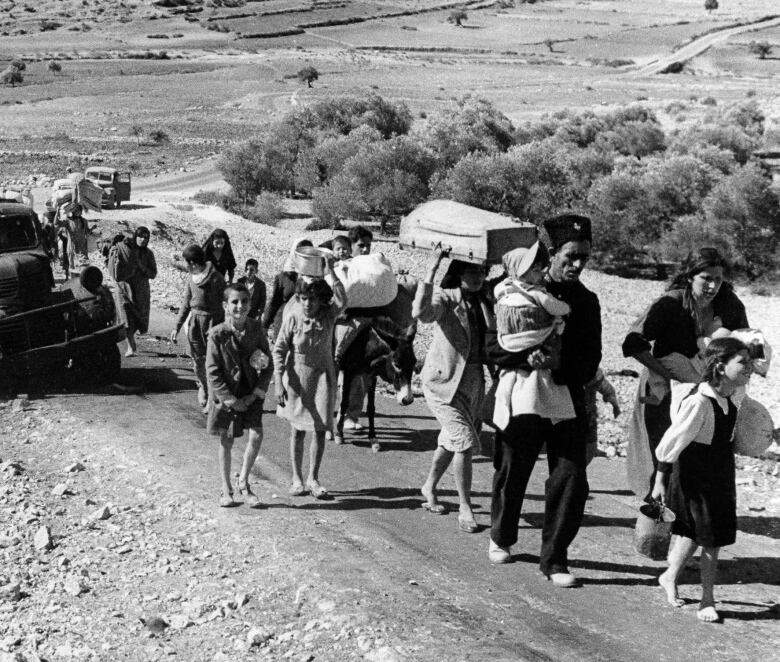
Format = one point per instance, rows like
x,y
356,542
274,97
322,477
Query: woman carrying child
x,y
239,370
305,374
453,375
695,476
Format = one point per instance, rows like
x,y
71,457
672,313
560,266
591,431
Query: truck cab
x,y
115,184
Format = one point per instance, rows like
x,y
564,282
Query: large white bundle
x,y
369,281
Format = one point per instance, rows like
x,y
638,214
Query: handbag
x,y
653,530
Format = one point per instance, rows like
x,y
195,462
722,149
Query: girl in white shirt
x,y
696,477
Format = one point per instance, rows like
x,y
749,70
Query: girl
x,y
220,254
305,374
695,476
453,375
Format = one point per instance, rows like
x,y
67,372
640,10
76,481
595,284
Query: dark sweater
x,y
669,323
205,296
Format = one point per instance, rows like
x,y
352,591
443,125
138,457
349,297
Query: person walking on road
x,y
283,289
256,288
202,305
305,373
696,471
453,375
238,365
666,339
518,445
220,253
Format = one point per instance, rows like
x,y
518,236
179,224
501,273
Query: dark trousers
x,y
565,491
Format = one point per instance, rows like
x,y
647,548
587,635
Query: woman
x,y
453,376
283,287
124,271
220,253
666,339
146,271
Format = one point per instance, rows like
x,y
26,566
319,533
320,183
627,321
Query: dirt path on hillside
x,y
701,44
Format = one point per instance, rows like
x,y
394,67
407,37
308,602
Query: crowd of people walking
x,y
535,330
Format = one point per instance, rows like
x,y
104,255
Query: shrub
x,y
457,17
11,77
17,64
158,137
726,137
345,113
748,116
471,124
47,25
308,75
760,48
268,209
54,66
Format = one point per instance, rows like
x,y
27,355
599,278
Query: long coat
x,y
451,344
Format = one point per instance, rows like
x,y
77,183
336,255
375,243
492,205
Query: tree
x,y
308,75
549,43
137,131
17,64
760,48
12,76
710,5
346,113
158,136
457,17
54,66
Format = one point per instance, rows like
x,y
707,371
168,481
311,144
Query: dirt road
x,y
433,585
701,44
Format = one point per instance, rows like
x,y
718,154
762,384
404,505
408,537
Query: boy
x,y
256,288
361,238
239,370
342,247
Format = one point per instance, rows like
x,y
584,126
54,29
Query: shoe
x,y
467,525
563,579
226,500
351,424
498,554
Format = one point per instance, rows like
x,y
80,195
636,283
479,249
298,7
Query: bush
x,y
11,77
158,137
268,209
47,25
54,66
471,124
726,137
18,64
346,113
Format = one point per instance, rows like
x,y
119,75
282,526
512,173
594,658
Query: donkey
x,y
383,349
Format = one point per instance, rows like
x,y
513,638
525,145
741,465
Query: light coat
x,y
451,344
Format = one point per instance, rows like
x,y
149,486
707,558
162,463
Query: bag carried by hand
x,y
653,530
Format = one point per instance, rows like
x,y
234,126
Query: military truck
x,y
115,184
42,334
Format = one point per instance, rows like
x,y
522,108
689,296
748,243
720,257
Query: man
x,y
518,446
256,288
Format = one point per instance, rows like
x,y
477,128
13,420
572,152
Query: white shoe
x,y
351,424
498,554
563,579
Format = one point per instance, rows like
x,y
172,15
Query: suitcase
x,y
469,233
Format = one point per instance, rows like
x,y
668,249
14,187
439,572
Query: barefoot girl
x,y
305,374
696,470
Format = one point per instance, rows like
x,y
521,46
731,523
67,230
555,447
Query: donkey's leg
x,y
371,411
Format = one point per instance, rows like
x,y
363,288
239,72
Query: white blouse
x,y
694,421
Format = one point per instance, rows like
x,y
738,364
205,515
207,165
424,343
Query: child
x,y
695,474
202,302
256,288
305,374
239,371
529,320
342,248
283,289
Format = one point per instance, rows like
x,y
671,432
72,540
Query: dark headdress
x,y
567,227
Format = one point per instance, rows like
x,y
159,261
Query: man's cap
x,y
567,227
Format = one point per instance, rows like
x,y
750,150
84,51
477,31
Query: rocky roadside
x,y
109,555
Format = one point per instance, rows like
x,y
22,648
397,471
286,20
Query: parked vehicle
x,y
115,184
40,337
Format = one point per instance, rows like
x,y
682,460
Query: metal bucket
x,y
653,531
310,262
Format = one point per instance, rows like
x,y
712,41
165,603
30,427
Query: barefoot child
x,y
239,370
305,374
696,470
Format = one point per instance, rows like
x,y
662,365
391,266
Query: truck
x,y
42,332
115,184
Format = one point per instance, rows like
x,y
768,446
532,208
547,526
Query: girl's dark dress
x,y
702,491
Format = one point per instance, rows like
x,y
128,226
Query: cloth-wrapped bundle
x,y
370,281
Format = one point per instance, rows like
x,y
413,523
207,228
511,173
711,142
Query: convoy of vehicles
x,y
115,184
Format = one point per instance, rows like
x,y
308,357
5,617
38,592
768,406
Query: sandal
x,y
316,490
